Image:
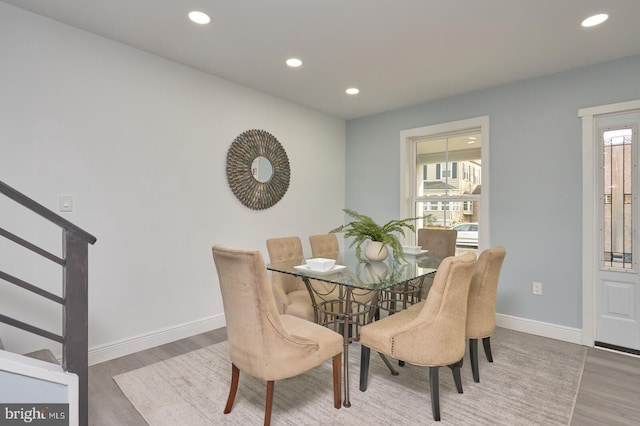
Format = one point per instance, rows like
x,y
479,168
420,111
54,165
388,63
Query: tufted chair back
x,y
481,311
324,245
430,333
263,343
439,242
290,293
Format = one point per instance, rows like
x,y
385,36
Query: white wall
x,y
140,142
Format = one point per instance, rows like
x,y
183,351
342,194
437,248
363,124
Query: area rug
x,y
533,381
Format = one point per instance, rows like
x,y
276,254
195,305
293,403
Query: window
x,y
467,207
448,156
446,170
442,173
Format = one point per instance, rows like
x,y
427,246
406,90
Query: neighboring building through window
x,y
441,175
450,168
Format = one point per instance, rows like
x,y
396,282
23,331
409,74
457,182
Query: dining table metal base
x,y
339,315
347,299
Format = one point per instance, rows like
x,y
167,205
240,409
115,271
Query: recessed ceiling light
x,y
199,17
294,62
352,91
594,20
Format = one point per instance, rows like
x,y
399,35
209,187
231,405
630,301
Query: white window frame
x,y
408,170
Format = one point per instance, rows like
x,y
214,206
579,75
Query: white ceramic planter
x,y
376,251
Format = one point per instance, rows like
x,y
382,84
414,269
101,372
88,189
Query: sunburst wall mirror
x,y
258,169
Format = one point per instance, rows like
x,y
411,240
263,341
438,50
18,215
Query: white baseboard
x,y
110,351
539,328
141,342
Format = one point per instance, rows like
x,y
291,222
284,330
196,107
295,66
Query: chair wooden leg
x,y
365,355
486,342
269,403
235,376
457,378
473,354
434,386
337,380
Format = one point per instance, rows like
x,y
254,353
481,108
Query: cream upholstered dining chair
x,y
290,293
430,333
481,307
332,309
441,243
263,343
324,245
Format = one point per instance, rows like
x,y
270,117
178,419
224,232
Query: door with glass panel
x,y
618,293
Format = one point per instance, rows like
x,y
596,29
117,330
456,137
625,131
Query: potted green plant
x,y
363,228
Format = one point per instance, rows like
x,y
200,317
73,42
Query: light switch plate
x,y
537,288
66,203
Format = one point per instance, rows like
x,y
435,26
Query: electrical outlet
x,y
537,288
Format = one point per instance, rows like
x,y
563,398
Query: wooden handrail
x,y
74,261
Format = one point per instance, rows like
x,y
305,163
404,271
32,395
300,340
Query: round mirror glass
x,y
261,169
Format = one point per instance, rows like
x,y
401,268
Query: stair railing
x,y
74,300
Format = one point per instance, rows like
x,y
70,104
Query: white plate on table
x,y
421,252
334,268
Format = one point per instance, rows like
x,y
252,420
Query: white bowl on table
x,y
320,264
412,249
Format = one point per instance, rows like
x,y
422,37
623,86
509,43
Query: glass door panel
x,y
617,189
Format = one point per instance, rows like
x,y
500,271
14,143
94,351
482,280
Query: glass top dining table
x,y
353,278
350,271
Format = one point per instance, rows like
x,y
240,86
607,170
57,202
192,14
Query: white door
x,y
617,274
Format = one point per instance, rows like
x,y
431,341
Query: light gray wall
x,y
536,176
141,142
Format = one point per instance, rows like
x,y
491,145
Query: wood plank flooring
x,y
107,404
609,391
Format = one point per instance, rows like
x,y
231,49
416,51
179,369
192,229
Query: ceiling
x,y
397,52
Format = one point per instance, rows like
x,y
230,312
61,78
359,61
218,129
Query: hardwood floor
x,y
107,404
609,392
